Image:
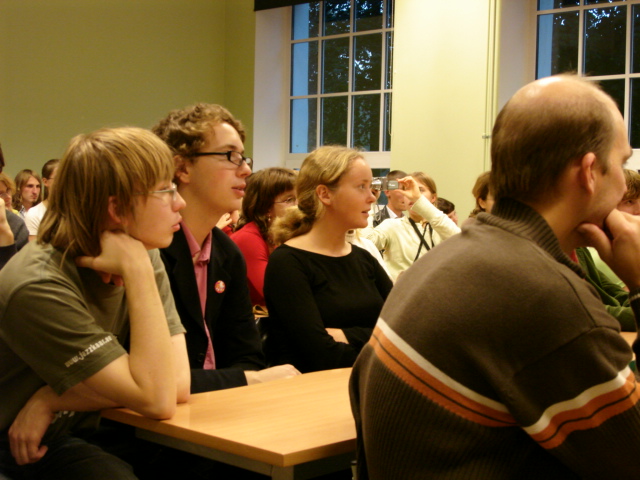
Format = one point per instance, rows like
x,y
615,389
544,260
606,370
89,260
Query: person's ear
x,y
324,194
183,169
483,204
587,172
115,219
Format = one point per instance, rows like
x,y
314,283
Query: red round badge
x,y
220,286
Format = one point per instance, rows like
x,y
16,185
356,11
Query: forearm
x,y
79,398
152,357
376,235
438,219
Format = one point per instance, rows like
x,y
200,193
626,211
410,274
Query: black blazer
x,y
229,315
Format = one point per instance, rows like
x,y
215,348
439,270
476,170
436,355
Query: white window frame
x,y
272,94
350,93
634,161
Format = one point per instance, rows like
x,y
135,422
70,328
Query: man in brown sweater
x,y
493,357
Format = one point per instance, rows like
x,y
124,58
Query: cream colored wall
x,y
69,66
239,68
443,100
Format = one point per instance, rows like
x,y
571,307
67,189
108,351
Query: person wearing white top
x,y
406,239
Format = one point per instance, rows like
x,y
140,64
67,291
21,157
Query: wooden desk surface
x,y
282,423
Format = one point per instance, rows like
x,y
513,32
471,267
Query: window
x,y
341,82
599,39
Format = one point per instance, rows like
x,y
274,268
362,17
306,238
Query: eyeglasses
x,y
289,201
173,191
234,157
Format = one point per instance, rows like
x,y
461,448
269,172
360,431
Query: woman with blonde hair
x,y
267,195
16,223
323,294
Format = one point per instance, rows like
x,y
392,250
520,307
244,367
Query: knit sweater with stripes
x,y
494,358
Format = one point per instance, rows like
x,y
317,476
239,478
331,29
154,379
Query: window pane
x,y
389,73
304,68
593,2
557,43
334,121
335,65
369,15
304,125
635,40
306,20
367,62
390,4
634,124
365,133
387,123
605,34
615,88
550,4
337,17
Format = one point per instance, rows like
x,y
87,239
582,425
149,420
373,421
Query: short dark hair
x,y
535,138
396,174
445,205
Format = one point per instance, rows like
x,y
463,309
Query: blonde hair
x,y
111,162
324,166
427,181
9,183
632,178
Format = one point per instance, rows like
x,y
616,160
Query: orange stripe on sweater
x,y
590,415
429,386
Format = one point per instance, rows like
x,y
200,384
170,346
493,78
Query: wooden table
x,y
294,428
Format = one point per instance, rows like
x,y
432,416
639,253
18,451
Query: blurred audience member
x,y
484,198
447,207
34,216
407,238
27,194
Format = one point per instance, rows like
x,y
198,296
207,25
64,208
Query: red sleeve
x,y
256,255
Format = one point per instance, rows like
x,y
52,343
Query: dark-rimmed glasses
x,y
234,157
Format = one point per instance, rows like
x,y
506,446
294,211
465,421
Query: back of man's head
x,y
543,128
396,174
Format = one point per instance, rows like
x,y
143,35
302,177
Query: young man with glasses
x,y
71,302
206,269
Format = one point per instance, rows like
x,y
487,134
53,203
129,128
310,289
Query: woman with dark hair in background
x,y
267,195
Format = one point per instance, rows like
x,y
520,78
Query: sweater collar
x,y
522,220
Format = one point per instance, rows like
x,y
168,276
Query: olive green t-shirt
x,y
59,325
